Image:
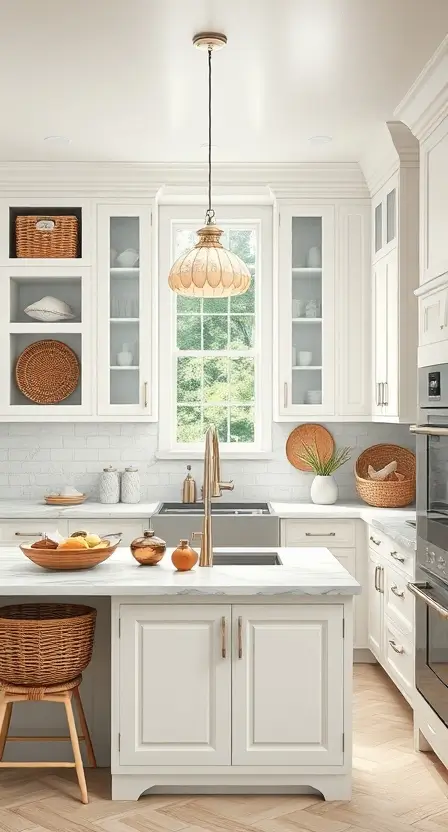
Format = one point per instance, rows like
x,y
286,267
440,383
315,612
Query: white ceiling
x,y
121,79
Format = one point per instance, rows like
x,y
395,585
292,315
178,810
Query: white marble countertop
x,y
350,509
397,530
22,509
304,571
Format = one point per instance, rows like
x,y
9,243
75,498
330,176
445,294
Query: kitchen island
x,y
224,678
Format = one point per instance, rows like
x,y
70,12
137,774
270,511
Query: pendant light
x,y
209,270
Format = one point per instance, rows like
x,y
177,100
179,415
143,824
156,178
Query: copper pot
x,y
149,549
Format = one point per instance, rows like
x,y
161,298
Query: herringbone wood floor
x,y
395,789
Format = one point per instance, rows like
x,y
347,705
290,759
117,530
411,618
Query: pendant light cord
x,y
210,214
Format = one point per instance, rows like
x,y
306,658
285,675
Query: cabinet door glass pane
x,y
124,310
307,311
378,226
390,214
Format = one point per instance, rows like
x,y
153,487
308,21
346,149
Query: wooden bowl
x,y
69,559
65,501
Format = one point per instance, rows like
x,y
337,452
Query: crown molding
x,y
393,148
426,102
147,179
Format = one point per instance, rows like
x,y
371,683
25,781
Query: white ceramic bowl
x,y
49,309
128,258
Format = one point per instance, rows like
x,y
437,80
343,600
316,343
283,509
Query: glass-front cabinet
x,y
385,214
306,311
125,310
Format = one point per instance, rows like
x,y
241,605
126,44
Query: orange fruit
x,y
73,543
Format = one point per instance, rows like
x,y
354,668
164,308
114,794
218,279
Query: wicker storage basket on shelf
x,y
44,644
39,236
388,493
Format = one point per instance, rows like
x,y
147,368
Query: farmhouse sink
x,y
246,559
240,525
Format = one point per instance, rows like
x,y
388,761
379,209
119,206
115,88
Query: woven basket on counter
x,y
388,493
39,236
45,644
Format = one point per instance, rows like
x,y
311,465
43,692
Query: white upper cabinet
x,y
125,306
322,327
394,308
433,217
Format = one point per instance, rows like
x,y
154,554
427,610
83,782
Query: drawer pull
x,y
240,637
398,557
376,542
320,534
394,589
29,534
223,638
376,579
394,646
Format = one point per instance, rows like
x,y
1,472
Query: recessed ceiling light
x,y
58,139
320,139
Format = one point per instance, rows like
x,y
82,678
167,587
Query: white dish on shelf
x,y
128,258
49,309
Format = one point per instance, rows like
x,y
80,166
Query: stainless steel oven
x,y
431,585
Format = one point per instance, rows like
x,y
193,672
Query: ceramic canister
x,y
130,485
109,486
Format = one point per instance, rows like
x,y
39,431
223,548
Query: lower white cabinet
x,y
15,532
175,685
391,615
231,685
375,605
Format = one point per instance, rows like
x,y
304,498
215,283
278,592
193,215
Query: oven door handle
x,y
417,590
426,430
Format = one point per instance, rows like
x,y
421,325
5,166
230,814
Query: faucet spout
x,y
212,487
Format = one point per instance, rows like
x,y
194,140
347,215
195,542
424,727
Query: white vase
x,y
324,490
314,259
109,485
130,485
125,357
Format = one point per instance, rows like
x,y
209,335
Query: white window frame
x,y
260,216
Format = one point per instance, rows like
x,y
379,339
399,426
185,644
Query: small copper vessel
x,y
149,549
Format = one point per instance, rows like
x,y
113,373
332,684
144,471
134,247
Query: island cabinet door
x,y
288,680
175,685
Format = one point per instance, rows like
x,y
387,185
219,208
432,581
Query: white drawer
x,y
399,601
14,532
397,556
328,533
347,557
130,528
399,658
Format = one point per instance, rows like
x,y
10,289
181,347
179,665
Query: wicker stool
x,y
64,692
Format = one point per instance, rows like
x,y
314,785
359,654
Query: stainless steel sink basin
x,y
223,509
246,559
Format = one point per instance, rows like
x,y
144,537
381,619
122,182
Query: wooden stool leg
x,y
76,749
5,727
84,727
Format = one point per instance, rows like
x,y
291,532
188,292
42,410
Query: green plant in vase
x,y
324,489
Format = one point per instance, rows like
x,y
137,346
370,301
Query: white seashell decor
x,y
49,309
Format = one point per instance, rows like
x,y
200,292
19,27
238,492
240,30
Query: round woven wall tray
x,y
314,436
47,372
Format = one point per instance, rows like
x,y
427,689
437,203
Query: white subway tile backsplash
x,y
40,457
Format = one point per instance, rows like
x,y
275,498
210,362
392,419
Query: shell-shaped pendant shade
x,y
208,270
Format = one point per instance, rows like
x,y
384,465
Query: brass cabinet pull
x,y
386,394
285,394
320,534
240,637
223,638
381,393
376,542
377,398
145,387
29,534
398,557
375,580
394,646
394,589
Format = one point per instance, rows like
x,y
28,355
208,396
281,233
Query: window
x,y
215,345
